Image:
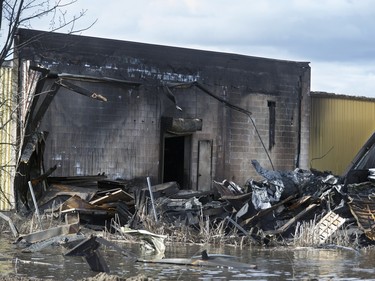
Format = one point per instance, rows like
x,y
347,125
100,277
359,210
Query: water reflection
x,y
273,264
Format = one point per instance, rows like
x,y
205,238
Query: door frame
x,y
187,158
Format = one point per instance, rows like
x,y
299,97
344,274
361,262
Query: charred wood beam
x,y
44,176
38,90
31,145
34,122
292,220
80,90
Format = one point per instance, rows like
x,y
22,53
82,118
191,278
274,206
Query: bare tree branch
x,y
15,110
22,13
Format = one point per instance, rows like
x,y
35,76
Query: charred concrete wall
x,y
124,138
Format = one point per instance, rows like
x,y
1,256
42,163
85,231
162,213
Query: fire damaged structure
x,y
122,135
129,110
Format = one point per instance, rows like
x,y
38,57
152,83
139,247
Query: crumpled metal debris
x,y
263,195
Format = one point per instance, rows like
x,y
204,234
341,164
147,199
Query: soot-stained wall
x,y
124,137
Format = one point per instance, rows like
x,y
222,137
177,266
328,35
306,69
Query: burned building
x,y
132,110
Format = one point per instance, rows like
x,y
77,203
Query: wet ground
x,y
272,264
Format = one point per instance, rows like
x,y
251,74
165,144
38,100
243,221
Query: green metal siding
x,y
339,128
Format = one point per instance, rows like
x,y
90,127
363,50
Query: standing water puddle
x,y
272,264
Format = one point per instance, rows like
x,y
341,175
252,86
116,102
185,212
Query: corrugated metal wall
x,y
340,126
7,133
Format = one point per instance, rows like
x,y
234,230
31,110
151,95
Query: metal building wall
x,y
7,134
340,125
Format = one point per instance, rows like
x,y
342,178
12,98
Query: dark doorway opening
x,y
176,163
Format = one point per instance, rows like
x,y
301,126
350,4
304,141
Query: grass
x,y
306,236
206,231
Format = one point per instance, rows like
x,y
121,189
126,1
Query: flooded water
x,y
272,264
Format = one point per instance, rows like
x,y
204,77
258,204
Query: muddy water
x,y
273,264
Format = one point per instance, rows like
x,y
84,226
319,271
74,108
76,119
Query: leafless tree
x,y
24,14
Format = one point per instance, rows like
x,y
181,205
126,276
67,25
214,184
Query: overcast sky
x,y
337,37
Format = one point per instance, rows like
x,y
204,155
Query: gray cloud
x,y
331,34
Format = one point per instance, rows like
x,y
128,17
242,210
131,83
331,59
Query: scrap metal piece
x,y
77,204
11,224
166,189
371,176
35,204
152,198
59,193
88,248
238,200
327,226
228,188
123,252
62,239
156,240
262,196
51,232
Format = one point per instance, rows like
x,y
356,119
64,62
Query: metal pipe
x,y
152,198
35,204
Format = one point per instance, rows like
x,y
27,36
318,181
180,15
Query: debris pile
x,y
270,208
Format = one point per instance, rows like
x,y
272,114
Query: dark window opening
x,y
272,124
174,152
